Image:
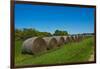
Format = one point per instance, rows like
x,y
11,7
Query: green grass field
x,y
68,53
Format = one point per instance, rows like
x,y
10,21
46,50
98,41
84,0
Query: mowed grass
x,y
67,53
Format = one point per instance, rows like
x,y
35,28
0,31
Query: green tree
x,y
59,33
25,33
22,34
18,34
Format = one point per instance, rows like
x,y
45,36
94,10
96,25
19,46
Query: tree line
x,y
22,34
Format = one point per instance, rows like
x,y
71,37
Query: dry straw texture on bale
x,y
51,42
69,39
74,38
65,39
60,40
34,45
79,37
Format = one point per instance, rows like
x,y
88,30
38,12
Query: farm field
x,y
67,53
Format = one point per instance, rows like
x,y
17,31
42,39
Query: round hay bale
x,y
69,39
51,42
76,38
34,45
73,38
79,37
65,39
60,40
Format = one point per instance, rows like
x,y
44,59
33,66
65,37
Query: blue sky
x,y
49,18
